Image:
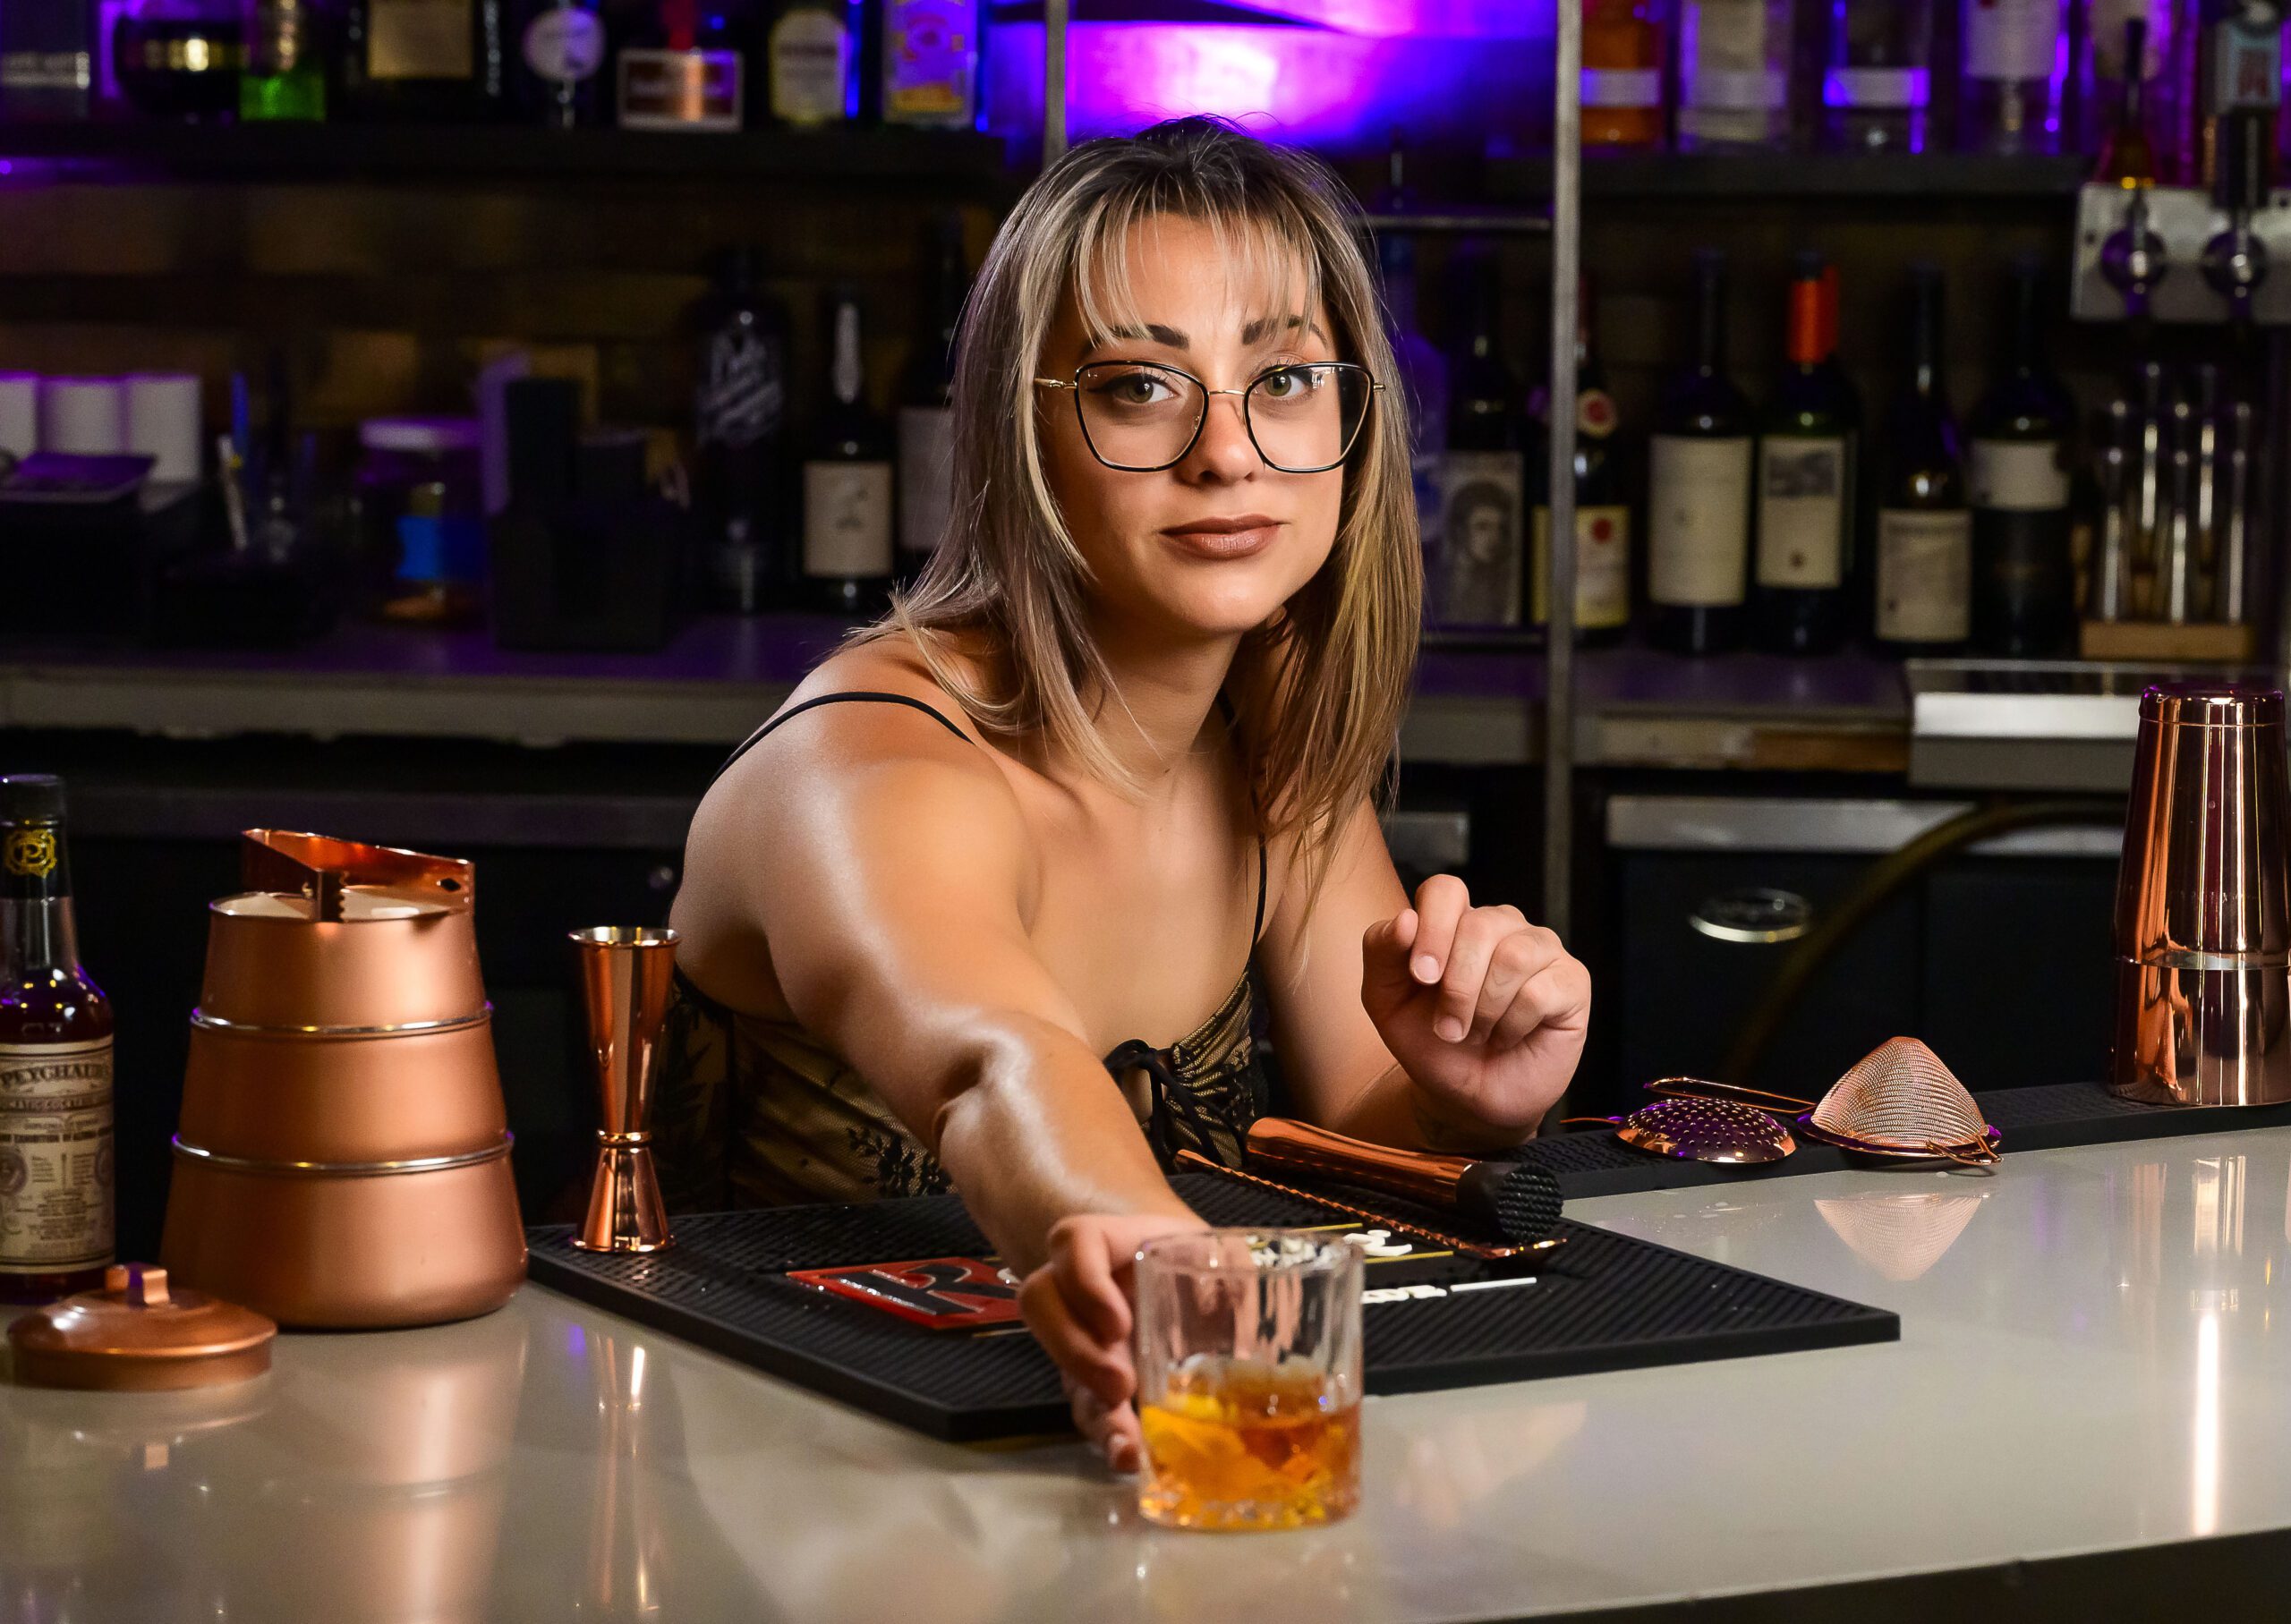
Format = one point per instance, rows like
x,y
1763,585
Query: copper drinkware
x,y
624,972
2204,903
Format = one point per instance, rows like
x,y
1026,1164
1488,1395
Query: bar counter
x,y
2088,1412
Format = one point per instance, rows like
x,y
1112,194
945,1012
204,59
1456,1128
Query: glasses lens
x,y
1139,415
1306,417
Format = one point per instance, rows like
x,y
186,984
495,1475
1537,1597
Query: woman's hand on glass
x,y
1485,1011
1080,1305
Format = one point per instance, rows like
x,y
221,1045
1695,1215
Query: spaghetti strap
x,y
761,734
1256,925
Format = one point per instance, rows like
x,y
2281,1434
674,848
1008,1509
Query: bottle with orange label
x,y
55,1063
1602,511
1802,490
1622,73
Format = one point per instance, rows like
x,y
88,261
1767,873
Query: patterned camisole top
x,y
753,1111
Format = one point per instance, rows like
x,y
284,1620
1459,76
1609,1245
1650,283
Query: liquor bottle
x,y
1809,445
1423,378
2155,74
739,436
2014,66
932,63
1699,491
1878,78
1924,551
1602,512
424,61
813,56
1623,75
2024,596
926,413
285,78
2127,157
848,481
560,47
682,70
48,60
2239,70
1476,575
1734,74
55,1063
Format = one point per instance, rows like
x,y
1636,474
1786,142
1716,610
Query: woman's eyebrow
x,y
1255,331
1153,330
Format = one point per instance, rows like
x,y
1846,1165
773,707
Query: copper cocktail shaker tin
x,y
343,1153
2204,903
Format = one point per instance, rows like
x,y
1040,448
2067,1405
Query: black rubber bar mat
x,y
1602,1301
1592,1162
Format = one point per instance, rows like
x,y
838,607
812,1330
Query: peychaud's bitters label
x,y
55,1156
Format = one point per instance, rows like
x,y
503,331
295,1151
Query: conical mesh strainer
x,y
1901,1101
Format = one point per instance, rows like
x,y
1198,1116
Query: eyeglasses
x,y
1141,417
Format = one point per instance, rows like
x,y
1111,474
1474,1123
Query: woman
x,y
1117,749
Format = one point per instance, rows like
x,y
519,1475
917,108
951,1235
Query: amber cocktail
x,y
1249,1378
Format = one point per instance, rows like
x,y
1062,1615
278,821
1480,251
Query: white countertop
x,y
2087,1364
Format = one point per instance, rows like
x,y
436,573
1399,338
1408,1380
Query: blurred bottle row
x,y
1999,76
661,65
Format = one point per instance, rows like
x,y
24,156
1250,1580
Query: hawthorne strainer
x,y
1692,1126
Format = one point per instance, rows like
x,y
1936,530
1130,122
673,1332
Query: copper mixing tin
x,y
334,936
335,1098
348,1245
139,1334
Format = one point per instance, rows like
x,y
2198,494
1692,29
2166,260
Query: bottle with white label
x,y
560,45
812,62
848,481
2023,577
1809,451
1734,74
55,1063
1699,491
1924,574
1622,73
926,411
2015,65
1877,77
1602,515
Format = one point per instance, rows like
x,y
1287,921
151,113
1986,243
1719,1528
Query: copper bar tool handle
x,y
1283,1144
318,866
1703,1088
625,975
1194,1161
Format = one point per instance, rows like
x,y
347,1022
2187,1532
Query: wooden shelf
x,y
392,152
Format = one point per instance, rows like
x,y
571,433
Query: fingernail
x,y
1426,967
1123,1458
1448,1028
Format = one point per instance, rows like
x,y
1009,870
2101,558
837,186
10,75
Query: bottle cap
x,y
137,1335
31,797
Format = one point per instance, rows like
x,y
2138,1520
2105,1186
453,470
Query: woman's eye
x,y
1287,383
1134,389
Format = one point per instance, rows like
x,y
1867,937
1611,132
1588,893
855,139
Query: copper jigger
x,y
625,975
2204,903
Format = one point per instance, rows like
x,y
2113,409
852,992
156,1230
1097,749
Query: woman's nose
x,y
1224,451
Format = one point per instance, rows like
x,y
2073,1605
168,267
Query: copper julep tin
x,y
2203,930
139,1334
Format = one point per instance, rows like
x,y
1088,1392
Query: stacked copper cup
x,y
2204,903
342,1155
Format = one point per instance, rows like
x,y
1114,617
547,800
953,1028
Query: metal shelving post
x,y
1559,594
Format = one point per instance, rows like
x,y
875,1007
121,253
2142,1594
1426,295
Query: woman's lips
x,y
1226,537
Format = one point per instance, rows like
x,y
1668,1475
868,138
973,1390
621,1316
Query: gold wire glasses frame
x,y
1342,371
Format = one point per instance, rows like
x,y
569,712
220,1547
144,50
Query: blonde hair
x,y
1318,689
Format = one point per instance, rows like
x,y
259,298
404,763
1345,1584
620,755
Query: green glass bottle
x,y
285,78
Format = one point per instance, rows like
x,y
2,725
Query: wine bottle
x,y
1623,75
926,413
560,47
1734,74
848,481
812,54
1475,576
1601,512
1924,552
2024,590
424,61
1809,447
1698,490
1423,378
1878,79
2159,68
55,1063
2009,100
738,433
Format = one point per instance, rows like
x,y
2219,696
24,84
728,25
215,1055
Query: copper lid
x,y
2212,704
136,1336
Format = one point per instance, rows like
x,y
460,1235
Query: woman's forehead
x,y
1208,281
